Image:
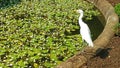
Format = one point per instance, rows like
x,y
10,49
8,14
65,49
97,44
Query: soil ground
x,y
113,2
110,56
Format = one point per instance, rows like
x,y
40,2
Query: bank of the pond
x,y
111,20
110,57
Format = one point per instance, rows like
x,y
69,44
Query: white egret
x,y
84,30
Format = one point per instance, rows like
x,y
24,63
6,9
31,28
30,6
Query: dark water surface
x,y
96,27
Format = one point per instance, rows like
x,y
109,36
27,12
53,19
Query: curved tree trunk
x,y
111,20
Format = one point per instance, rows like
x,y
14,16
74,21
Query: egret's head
x,y
79,11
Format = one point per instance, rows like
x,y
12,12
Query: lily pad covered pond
x,y
39,33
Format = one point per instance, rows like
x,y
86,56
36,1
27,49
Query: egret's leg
x,y
83,42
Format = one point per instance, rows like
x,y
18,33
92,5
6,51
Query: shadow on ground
x,y
103,53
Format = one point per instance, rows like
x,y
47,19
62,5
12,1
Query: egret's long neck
x,y
81,16
80,19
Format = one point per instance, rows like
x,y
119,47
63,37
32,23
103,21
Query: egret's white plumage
x,y
84,30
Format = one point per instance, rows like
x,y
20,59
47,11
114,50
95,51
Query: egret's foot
x,y
85,52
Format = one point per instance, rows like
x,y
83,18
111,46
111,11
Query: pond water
x,y
96,27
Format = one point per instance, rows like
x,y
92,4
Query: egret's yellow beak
x,y
76,11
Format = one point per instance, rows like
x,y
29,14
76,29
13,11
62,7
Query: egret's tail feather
x,y
91,44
